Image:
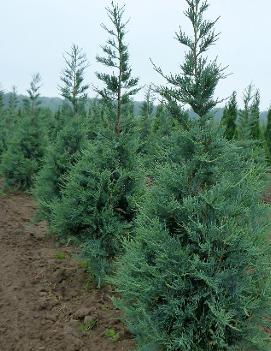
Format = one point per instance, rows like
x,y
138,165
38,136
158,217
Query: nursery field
x,y
128,225
47,301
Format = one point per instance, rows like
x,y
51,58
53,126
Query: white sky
x,y
35,33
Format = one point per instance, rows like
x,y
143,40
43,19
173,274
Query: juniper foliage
x,y
197,275
13,100
1,100
60,157
74,89
267,136
255,117
229,117
32,103
145,123
97,205
8,120
27,142
248,120
97,200
195,85
120,86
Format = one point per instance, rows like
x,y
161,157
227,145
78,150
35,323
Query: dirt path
x,y
46,300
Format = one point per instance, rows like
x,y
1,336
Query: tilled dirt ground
x,y
47,301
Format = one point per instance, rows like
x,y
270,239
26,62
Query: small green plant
x,y
60,255
105,307
112,334
89,325
88,284
83,264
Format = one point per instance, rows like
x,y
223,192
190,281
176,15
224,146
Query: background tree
x,y
147,107
1,99
145,121
33,102
267,135
60,157
229,117
255,117
13,100
119,85
27,142
3,127
74,88
9,119
162,125
248,119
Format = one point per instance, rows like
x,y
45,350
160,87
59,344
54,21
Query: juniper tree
x,y
229,117
147,107
255,117
196,83
97,204
61,118
59,158
155,125
146,121
120,86
267,135
196,277
73,88
244,114
33,102
248,120
8,120
105,180
68,138
2,124
163,127
13,100
1,100
27,142
162,123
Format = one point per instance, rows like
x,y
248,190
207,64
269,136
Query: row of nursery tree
x,y
165,206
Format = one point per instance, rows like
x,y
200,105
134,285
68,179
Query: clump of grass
x,y
83,264
88,284
105,307
2,193
60,255
112,334
89,325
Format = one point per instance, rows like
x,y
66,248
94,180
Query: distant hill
x,y
53,103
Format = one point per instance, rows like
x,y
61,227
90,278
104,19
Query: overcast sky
x,y
35,33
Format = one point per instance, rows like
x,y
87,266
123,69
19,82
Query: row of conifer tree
x,y
165,205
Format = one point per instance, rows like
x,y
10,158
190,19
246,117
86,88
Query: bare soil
x,y
47,301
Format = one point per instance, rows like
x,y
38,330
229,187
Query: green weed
x,y
112,334
86,327
83,264
60,255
